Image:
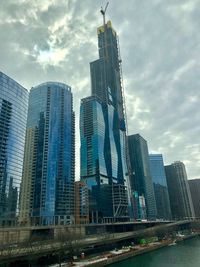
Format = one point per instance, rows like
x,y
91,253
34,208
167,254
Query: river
x,y
184,254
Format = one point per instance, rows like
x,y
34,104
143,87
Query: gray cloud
x,y
160,47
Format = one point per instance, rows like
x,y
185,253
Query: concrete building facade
x,y
195,194
179,192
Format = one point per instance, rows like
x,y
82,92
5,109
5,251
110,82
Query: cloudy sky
x,y
54,40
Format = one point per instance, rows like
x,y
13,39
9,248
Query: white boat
x,y
173,243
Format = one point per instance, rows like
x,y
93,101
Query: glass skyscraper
x,y
103,133
141,180
47,195
160,186
105,72
13,116
179,192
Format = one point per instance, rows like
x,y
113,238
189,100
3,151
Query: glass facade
x,y
103,133
99,160
92,127
94,170
179,192
141,180
105,72
13,116
48,177
160,186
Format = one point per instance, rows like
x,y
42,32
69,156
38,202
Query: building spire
x,y
103,12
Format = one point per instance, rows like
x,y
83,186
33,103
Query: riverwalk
x,y
114,256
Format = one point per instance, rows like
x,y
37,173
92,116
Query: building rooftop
x,y
50,83
6,77
101,29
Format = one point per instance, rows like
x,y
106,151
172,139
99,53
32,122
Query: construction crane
x,y
103,12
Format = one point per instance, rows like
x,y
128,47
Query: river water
x,y
184,254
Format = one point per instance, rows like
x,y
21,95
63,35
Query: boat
x,y
173,243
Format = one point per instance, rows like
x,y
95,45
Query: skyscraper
x,y
141,180
47,195
160,186
106,72
195,194
179,192
103,133
13,115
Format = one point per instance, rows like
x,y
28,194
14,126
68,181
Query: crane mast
x,y
103,12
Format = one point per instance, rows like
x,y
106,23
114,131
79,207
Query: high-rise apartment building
x,y
141,180
103,134
47,195
13,116
179,192
195,194
160,186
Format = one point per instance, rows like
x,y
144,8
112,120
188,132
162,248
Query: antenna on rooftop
x,y
103,12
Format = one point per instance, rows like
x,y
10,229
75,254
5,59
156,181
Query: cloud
x,y
160,48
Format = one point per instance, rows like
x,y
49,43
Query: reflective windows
x,y
13,116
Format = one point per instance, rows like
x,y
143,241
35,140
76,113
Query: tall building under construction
x,y
103,134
